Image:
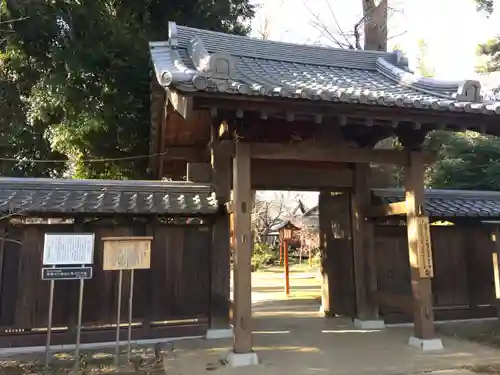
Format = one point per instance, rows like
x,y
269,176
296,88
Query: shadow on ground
x,y
291,337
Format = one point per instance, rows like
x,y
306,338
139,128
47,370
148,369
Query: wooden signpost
x,y
126,253
425,264
67,249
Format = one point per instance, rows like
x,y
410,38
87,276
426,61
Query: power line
x,y
84,160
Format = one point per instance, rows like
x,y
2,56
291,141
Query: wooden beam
x,y
294,175
418,247
315,151
243,250
496,268
158,100
391,209
221,238
365,274
326,262
161,139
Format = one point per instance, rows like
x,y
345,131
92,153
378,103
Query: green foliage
x,y
75,78
467,161
490,50
263,255
422,60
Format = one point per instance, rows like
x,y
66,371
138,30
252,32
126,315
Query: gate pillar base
x,y
426,345
369,324
326,313
242,359
219,333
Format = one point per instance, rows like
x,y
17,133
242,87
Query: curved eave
x,y
171,72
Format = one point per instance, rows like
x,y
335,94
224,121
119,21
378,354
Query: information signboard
x,y
126,253
122,254
426,266
68,249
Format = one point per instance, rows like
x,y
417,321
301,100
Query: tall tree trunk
x,y
375,24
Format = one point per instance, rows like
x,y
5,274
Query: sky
x,y
452,30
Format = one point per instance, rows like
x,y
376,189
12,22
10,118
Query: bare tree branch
x,y
397,35
267,214
265,28
337,23
325,30
375,18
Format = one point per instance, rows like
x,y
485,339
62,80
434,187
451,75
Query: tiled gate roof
x,y
450,203
60,196
194,60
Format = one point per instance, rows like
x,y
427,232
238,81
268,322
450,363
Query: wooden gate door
x,y
337,253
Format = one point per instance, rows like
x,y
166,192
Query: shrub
x,y
263,255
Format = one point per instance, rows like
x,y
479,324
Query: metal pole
x,y
130,307
79,324
49,325
118,309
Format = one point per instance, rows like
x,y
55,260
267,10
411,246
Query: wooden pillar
x,y
365,272
242,195
220,267
419,247
326,262
496,267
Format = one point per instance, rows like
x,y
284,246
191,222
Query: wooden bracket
x,y
391,209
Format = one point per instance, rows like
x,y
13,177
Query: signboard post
x,y
126,253
67,249
49,324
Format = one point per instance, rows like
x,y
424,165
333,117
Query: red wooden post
x,y
281,250
286,268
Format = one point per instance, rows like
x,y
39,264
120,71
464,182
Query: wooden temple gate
x,y
249,114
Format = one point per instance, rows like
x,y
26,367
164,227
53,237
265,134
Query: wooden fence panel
x,y
393,270
463,269
480,264
450,282
24,296
176,287
101,292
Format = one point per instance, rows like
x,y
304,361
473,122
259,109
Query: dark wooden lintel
x,y
296,175
311,151
378,114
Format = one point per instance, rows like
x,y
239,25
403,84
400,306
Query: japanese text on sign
x,y
68,249
67,273
126,254
426,268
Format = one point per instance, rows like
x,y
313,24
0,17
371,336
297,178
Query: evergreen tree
x,y
75,78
